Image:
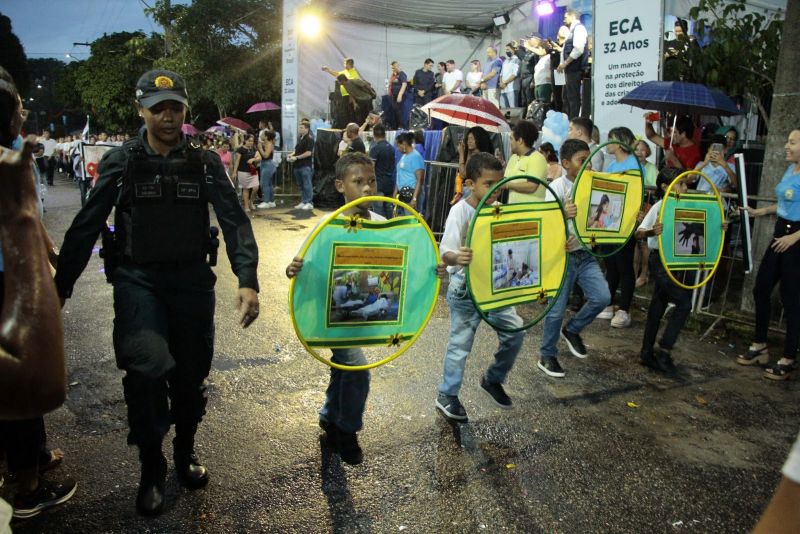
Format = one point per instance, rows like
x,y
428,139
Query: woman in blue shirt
x,y
781,263
619,266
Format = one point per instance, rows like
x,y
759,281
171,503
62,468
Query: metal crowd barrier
x,y
283,182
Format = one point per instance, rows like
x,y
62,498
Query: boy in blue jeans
x,y
346,397
583,269
482,173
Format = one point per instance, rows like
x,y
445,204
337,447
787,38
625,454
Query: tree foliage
x,y
228,50
106,81
742,53
12,56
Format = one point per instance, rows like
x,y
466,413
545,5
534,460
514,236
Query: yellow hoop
x,y
661,218
302,253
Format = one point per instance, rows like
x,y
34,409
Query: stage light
x,y
310,25
500,20
545,8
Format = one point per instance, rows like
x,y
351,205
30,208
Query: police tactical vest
x,y
162,211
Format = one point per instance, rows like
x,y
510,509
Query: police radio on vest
x,y
616,27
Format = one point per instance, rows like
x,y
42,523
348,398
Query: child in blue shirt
x,y
410,172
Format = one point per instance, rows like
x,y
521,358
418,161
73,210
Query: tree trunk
x,y
783,119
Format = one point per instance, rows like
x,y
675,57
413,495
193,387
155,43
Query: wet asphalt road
x,y
699,453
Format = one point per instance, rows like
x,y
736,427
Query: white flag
x,y
85,132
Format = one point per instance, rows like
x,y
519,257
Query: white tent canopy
x,y
376,32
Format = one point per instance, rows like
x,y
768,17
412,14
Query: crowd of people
x,y
165,370
523,71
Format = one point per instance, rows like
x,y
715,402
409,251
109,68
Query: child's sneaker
x,y
349,450
47,495
497,393
552,368
451,407
574,343
622,319
607,313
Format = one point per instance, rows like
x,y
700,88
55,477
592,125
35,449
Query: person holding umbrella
x,y
680,152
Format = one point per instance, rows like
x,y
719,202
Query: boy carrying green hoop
x,y
341,417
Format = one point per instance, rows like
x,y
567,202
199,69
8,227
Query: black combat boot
x,y
150,499
191,473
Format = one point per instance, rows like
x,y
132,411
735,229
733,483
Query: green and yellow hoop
x,y
589,240
525,296
696,203
353,224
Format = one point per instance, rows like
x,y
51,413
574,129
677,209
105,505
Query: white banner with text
x,y
627,53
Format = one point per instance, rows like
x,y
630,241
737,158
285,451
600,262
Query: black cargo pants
x,y
164,340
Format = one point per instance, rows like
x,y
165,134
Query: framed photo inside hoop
x,y
365,283
519,255
694,231
608,206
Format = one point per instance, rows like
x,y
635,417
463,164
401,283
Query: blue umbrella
x,y
682,98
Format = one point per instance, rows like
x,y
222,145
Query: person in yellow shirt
x,y
525,160
350,73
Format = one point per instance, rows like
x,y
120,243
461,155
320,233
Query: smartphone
x,y
460,138
654,117
717,147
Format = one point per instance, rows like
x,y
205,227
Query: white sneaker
x,y
607,313
262,205
300,206
621,319
308,206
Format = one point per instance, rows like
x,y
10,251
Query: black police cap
x,y
156,86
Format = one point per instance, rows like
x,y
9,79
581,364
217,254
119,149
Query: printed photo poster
x,y
519,255
608,205
90,159
365,283
693,235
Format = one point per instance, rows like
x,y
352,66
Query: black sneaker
x,y
451,407
349,450
331,434
552,368
497,393
648,359
664,360
575,343
47,495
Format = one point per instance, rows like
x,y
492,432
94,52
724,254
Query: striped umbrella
x,y
233,122
189,129
468,111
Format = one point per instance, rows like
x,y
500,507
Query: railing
x,y
284,183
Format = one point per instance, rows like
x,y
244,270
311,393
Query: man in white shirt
x,y
453,79
575,57
508,75
49,163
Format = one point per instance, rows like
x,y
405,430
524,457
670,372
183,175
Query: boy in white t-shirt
x,y
482,173
582,269
665,291
346,397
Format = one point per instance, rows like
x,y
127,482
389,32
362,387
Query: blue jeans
x,y
583,269
347,392
464,320
509,100
267,172
384,208
303,177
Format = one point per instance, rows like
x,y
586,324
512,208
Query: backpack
x,y
537,112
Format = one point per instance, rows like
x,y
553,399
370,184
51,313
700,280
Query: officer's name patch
x,y
152,190
188,190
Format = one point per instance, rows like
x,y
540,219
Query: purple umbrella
x,y
263,106
189,129
216,128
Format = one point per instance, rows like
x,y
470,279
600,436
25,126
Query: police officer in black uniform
x,y
157,258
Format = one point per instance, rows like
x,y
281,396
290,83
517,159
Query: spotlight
x,y
545,8
310,25
500,20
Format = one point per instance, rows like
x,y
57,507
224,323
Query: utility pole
x,y
168,28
